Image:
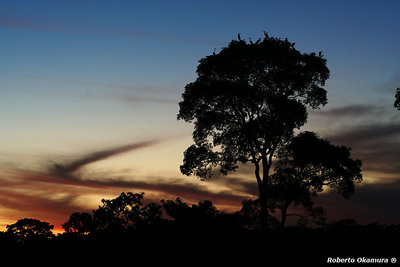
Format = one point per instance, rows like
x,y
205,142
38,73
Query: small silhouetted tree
x,y
202,213
397,99
251,212
246,101
177,210
305,166
125,212
25,230
250,215
79,223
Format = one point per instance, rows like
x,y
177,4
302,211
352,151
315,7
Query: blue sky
x,y
158,43
81,76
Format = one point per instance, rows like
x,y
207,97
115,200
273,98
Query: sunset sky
x,y
89,94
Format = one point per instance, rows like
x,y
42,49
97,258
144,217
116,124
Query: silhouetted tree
x,y
80,223
246,101
202,213
397,99
307,164
125,212
287,188
178,210
313,213
25,230
251,212
152,214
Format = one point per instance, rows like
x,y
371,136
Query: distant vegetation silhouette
x,y
397,99
126,226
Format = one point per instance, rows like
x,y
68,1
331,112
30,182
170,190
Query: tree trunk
x,y
284,213
264,192
284,216
264,207
263,196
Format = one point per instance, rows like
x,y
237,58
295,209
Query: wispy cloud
x,y
34,195
33,204
94,84
371,130
68,168
377,145
67,174
128,95
56,191
349,110
389,87
71,28
366,134
371,203
135,99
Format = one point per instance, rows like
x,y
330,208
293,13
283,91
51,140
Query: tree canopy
x,y
247,101
30,229
81,223
307,164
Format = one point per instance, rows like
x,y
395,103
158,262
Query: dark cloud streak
x,y
366,111
65,170
377,145
371,203
102,95
349,110
367,133
91,83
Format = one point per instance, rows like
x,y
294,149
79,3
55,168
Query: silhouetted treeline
x,y
173,228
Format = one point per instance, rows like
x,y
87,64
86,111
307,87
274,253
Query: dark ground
x,y
171,246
